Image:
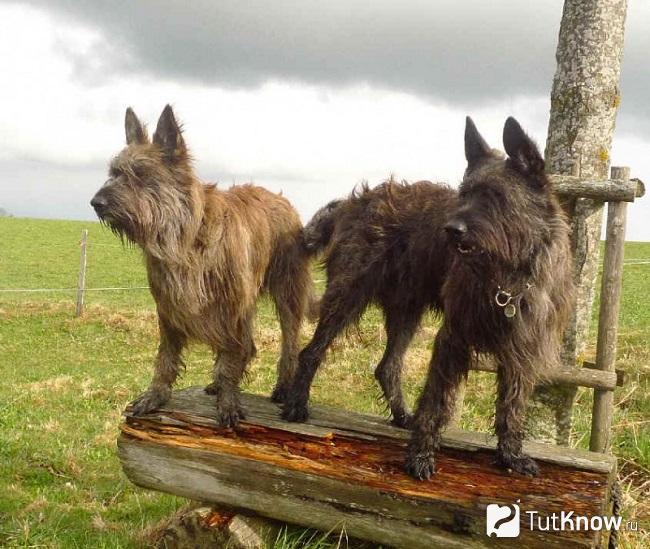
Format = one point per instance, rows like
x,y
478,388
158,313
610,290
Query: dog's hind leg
x,y
343,303
290,321
168,364
400,328
291,287
449,366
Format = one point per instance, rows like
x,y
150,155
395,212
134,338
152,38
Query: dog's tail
x,y
316,237
318,232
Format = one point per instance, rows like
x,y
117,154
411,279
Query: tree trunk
x,y
584,102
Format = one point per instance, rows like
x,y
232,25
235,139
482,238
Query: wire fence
x,y
81,289
43,290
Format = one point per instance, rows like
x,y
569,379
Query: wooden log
x,y
610,190
579,377
610,304
345,470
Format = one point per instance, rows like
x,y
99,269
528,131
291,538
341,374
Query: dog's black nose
x,y
98,202
456,227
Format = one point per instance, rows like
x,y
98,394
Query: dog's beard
x,y
123,231
472,256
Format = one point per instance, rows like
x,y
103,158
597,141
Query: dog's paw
x,y
229,414
149,401
404,420
420,466
522,464
211,389
294,411
280,393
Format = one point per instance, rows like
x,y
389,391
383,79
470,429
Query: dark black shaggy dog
x,y
493,257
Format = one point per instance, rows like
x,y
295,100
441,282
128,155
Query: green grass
x,y
65,381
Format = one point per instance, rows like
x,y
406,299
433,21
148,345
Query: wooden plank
x,y
610,190
580,377
610,304
343,469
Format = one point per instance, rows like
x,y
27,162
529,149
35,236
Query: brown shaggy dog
x,y
494,258
209,253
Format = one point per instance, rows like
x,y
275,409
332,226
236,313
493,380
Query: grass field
x,y
64,382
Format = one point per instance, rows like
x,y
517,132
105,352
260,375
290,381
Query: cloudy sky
x,y
300,96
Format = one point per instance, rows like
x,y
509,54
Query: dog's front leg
x,y
230,364
167,365
448,367
230,368
515,384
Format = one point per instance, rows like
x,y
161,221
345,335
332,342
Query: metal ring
x,y
502,298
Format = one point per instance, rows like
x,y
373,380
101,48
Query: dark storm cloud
x,y
451,49
464,52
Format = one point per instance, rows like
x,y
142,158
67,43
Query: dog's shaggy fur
x,y
209,253
494,258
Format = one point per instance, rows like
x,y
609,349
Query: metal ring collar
x,y
502,298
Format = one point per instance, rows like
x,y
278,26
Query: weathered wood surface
x,y
610,304
626,190
196,525
343,469
621,374
579,377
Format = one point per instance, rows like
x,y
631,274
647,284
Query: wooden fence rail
x,y
619,188
578,377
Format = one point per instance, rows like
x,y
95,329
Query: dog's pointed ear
x,y
135,131
523,154
169,136
476,149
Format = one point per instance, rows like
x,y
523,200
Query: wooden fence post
x,y
81,284
610,301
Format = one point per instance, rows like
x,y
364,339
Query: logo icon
x,y
502,520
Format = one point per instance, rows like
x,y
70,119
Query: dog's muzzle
x,y
456,230
99,204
